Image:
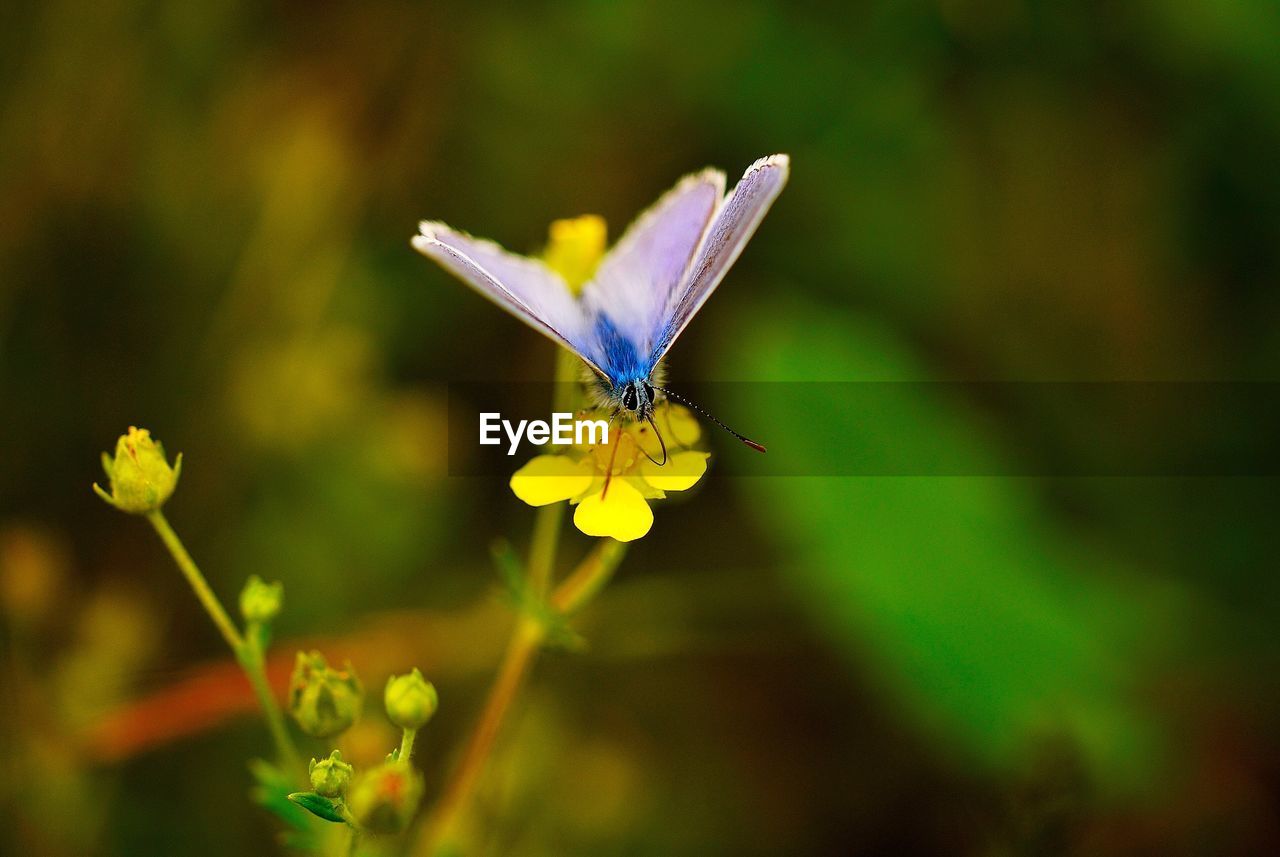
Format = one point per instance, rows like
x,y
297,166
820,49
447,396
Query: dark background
x,y
204,221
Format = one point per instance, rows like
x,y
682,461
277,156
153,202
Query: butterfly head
x,y
637,399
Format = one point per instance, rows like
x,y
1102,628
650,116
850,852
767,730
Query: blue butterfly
x,y
645,291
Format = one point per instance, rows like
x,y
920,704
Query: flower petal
x,y
646,490
550,479
679,474
576,248
678,425
621,513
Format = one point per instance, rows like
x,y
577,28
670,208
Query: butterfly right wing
x,y
734,224
524,287
637,278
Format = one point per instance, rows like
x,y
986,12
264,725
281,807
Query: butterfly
x,y
644,292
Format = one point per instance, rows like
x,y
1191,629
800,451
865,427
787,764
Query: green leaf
x,y
992,627
318,805
516,591
509,567
271,792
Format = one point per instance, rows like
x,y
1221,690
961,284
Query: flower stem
x,y
442,827
406,744
253,659
549,520
521,651
192,573
542,551
248,650
589,577
576,591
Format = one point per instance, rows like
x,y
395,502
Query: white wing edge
x,y
594,292
781,161
473,274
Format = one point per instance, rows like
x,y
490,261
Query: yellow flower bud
x,y
385,799
576,248
329,777
323,701
139,475
410,700
260,601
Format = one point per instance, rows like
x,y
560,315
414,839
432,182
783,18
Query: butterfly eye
x,y
648,391
629,398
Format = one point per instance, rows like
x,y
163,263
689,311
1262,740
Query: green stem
x,y
574,593
589,577
547,523
248,651
549,520
189,570
406,744
253,659
566,395
521,652
442,827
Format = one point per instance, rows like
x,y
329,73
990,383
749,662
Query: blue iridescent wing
x,y
734,224
525,287
626,300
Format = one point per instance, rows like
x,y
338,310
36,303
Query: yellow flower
x,y
612,483
576,248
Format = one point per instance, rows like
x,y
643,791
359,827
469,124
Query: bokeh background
x,y
204,214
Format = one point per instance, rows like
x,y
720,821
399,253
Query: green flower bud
x,y
385,799
410,700
329,777
139,476
260,601
323,701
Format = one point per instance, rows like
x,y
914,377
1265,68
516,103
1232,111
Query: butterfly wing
x,y
648,287
525,287
734,224
627,298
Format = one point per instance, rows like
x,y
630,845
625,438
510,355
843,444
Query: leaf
x,y
985,621
318,805
510,569
516,590
271,792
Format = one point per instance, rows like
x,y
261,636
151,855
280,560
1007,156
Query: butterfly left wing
x,y
525,287
734,224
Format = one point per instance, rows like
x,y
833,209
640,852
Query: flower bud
x,y
139,476
575,249
410,700
323,701
260,601
385,799
329,777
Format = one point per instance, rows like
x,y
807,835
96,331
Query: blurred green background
x,y
204,221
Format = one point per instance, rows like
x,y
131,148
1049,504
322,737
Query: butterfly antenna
x,y
758,447
663,462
